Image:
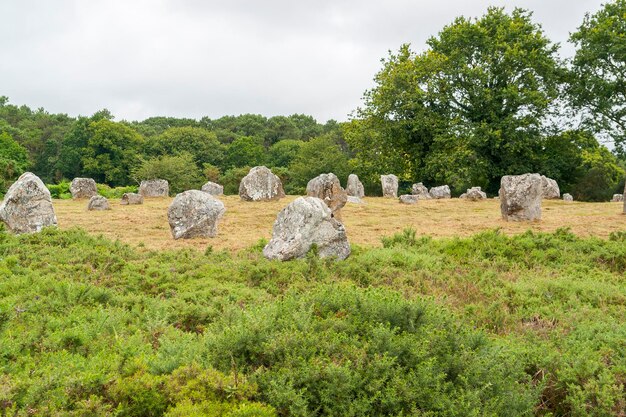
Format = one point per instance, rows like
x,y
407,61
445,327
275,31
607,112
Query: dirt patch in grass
x,y
246,222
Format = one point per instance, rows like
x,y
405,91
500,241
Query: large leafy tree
x,y
469,109
599,69
202,144
13,160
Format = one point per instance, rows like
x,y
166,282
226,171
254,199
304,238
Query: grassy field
x,y
246,222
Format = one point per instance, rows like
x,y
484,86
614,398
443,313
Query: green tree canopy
x,y
318,156
202,144
283,152
180,171
245,151
13,160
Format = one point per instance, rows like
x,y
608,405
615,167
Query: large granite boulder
x,y
98,202
131,199
420,191
328,188
194,213
409,199
307,221
568,197
474,194
27,206
154,188
354,187
520,197
617,198
261,185
83,188
443,191
390,185
550,188
213,188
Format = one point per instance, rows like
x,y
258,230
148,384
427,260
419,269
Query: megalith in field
x,y
568,197
474,194
154,188
550,188
390,185
354,187
624,198
194,213
261,185
420,191
131,199
98,202
83,188
213,188
409,198
27,206
442,191
328,188
307,221
520,197
617,198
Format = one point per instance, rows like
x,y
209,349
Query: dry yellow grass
x,y
246,222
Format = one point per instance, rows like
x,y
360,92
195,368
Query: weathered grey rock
x,y
354,187
409,199
443,191
194,213
550,188
131,198
305,222
154,188
617,198
520,197
390,185
328,188
355,200
98,202
83,188
213,188
27,206
568,197
420,191
474,194
624,197
261,185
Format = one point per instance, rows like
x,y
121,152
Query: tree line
x,y
487,97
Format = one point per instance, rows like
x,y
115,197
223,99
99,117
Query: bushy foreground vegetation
x,y
490,325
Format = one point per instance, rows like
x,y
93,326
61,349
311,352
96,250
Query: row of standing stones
x,y
307,221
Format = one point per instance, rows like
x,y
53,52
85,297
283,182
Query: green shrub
x,y
115,192
60,190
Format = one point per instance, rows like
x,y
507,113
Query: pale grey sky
x,y
194,58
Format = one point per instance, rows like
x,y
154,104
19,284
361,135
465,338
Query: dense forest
x,y
487,97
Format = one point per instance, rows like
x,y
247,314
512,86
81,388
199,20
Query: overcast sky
x,y
194,58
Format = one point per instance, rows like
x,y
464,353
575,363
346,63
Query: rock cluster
x,y
261,185
194,213
443,191
474,194
307,221
154,188
390,185
328,188
27,206
550,188
83,188
520,197
131,199
213,188
420,191
98,202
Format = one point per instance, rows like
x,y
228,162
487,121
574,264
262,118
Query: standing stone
x,y
98,202
83,188
354,187
261,185
213,188
131,198
520,197
27,206
420,191
474,194
443,191
617,198
328,188
390,185
624,198
307,221
550,188
154,188
409,199
354,200
568,197
194,213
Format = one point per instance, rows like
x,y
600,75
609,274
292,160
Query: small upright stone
x,y
354,187
131,199
154,188
194,213
261,185
443,191
550,188
409,199
420,191
98,202
390,185
617,198
213,188
327,188
568,197
520,197
27,206
307,221
83,188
